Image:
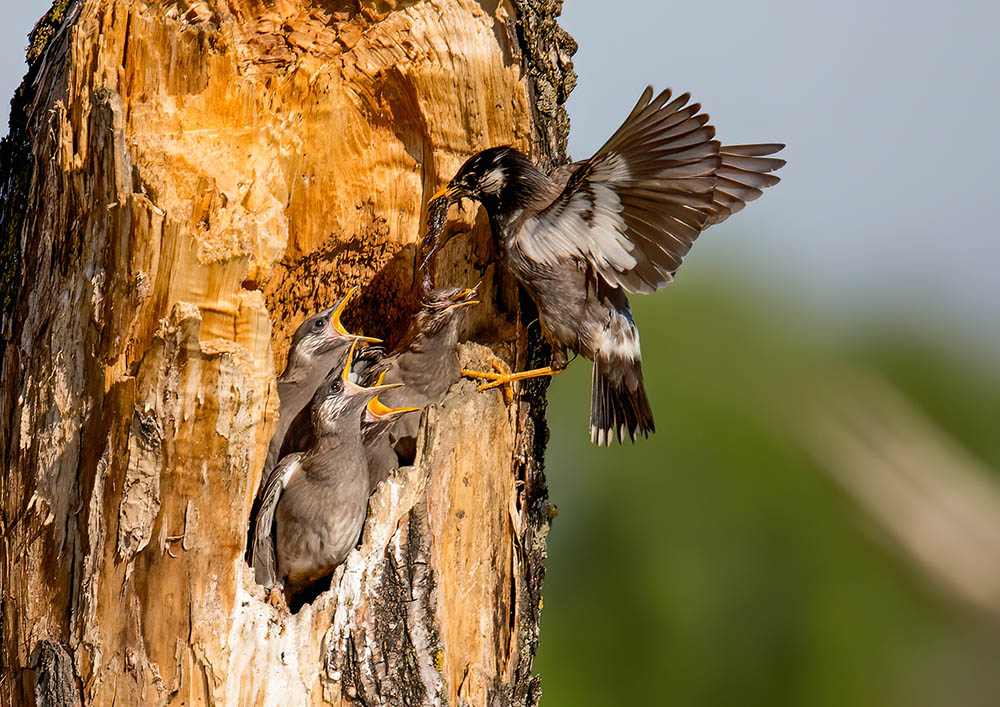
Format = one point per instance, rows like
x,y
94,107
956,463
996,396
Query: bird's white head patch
x,y
493,181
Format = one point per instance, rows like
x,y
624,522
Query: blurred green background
x,y
716,563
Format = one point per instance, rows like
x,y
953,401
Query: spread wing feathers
x,y
263,557
743,175
634,209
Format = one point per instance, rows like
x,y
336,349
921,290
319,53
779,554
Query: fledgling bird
x,y
319,345
581,237
425,362
376,424
314,502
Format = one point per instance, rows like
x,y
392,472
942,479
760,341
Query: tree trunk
x,y
184,182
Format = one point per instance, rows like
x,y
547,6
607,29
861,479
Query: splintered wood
x,y
205,175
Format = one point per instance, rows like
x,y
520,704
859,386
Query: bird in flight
x,y
583,236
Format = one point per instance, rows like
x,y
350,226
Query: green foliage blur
x,y
715,563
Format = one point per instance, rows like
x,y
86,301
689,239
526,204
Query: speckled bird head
x,y
441,308
322,336
500,178
338,403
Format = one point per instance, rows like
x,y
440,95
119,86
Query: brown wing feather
x,y
634,209
745,172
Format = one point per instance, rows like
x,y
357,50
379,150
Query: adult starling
x,y
314,502
424,361
376,424
580,237
318,346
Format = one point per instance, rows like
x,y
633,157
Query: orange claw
x,y
276,598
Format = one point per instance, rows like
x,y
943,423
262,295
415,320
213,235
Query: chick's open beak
x,y
377,409
338,325
461,299
352,388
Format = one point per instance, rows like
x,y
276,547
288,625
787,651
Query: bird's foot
x,y
499,373
276,598
500,377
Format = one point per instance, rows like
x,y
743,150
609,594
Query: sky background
x,y
886,109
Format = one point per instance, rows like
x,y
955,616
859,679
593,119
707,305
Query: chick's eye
x,y
318,324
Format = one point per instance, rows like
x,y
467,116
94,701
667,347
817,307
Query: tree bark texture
x,y
183,183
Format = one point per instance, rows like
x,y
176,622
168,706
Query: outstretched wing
x,y
635,208
742,177
263,555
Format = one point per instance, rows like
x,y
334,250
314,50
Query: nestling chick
x,y
319,345
424,362
376,424
314,502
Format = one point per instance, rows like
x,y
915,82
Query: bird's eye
x,y
318,325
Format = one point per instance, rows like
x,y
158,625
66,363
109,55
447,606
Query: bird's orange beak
x,y
460,300
448,190
353,388
339,326
377,409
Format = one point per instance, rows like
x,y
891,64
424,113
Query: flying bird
x,y
581,237
313,503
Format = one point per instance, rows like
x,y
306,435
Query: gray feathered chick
x,y
318,346
425,362
313,503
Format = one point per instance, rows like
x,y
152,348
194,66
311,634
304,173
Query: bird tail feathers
x,y
618,409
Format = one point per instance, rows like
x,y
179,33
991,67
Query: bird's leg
x,y
276,598
500,377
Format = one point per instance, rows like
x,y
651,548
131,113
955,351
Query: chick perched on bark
x,y
580,237
319,346
314,502
425,362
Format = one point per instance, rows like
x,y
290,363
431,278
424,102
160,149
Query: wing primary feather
x,y
635,208
756,150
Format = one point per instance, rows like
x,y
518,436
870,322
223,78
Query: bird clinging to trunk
x,y
581,237
314,502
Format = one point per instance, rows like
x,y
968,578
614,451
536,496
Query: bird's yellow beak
x,y
339,326
459,300
447,190
346,375
376,408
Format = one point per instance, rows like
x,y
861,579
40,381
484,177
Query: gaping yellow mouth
x,y
376,408
347,364
339,326
458,300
